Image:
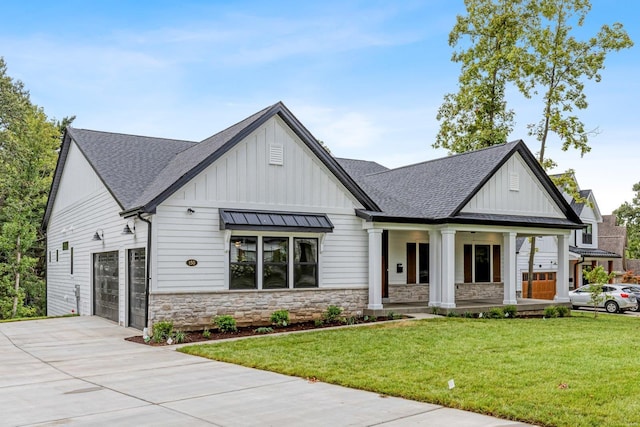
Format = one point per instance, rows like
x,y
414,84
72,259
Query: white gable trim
x,y
514,190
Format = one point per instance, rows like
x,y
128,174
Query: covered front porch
x,y
452,268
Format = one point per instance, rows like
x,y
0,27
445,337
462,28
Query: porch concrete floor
x,y
525,306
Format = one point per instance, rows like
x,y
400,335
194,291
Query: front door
x,y
385,264
137,288
106,285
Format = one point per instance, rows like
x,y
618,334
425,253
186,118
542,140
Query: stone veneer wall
x,y
479,290
192,311
409,293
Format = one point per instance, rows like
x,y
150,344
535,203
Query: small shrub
x,y
550,312
318,323
510,311
393,316
162,331
468,315
332,314
264,330
225,323
349,320
179,336
452,314
496,313
563,311
206,333
280,318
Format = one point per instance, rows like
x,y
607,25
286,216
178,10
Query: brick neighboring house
x,y
613,238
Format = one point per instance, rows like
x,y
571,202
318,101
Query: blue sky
x,y
365,77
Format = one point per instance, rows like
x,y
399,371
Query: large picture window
x,y
275,266
305,263
243,257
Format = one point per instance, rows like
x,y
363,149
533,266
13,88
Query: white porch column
x,y
375,268
448,271
562,278
509,278
435,275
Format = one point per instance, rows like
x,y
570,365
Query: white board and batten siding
x,y
271,169
83,205
514,190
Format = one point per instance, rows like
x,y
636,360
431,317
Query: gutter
x,y
147,278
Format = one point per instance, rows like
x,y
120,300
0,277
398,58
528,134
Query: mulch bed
x,y
246,331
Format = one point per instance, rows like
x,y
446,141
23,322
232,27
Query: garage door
x,y
105,285
543,285
137,288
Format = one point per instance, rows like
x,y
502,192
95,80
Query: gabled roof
x,y
126,164
436,191
576,206
142,172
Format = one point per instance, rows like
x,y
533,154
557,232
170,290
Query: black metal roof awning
x,y
274,221
593,252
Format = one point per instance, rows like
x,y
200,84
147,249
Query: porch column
x,y
435,276
562,278
448,273
509,277
375,268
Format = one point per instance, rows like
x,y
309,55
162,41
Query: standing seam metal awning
x,y
274,221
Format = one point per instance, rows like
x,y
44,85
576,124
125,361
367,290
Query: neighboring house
x,y
584,251
260,217
613,238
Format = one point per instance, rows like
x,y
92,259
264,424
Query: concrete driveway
x,y
80,371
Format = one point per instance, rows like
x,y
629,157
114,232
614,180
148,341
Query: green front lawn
x,y
576,371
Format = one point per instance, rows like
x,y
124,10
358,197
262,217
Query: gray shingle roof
x,y
127,163
360,168
578,207
141,172
433,189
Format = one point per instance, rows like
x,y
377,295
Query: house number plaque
x,y
192,262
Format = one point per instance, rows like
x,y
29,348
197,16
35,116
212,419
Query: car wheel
x,y
637,307
611,306
574,307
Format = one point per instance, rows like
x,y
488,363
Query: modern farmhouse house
x,y
261,217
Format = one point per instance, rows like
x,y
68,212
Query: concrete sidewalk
x,y
80,371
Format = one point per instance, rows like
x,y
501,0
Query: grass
x,y
23,319
575,371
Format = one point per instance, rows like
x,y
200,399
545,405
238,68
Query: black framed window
x,y
587,235
483,263
478,260
275,262
71,260
243,256
305,263
423,262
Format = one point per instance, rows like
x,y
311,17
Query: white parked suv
x,y
616,298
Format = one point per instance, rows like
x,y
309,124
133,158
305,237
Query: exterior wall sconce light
x,y
190,211
99,235
129,228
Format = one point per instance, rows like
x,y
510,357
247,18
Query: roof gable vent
x,y
276,154
514,182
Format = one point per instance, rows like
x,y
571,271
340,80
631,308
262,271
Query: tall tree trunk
x,y
532,254
14,309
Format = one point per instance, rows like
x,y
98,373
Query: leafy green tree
x,y
556,65
597,277
628,214
28,153
490,52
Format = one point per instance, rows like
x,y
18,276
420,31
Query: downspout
x,y
147,278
